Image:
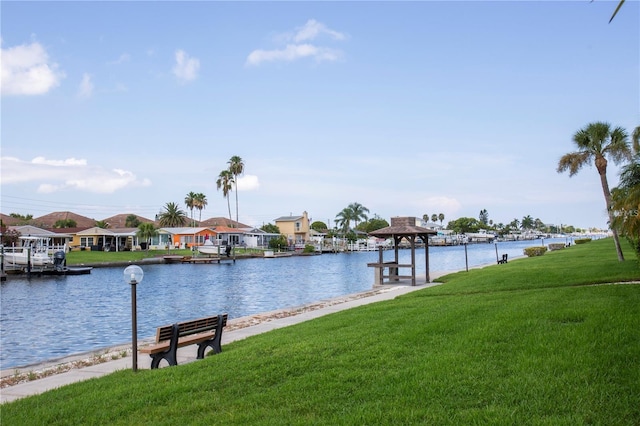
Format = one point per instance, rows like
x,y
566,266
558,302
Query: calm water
x,y
50,317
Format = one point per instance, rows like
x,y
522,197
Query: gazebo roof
x,y
403,227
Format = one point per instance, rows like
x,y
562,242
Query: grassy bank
x,y
529,342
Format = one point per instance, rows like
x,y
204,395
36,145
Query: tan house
x,y
295,228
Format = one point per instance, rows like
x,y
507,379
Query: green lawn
x,y
529,342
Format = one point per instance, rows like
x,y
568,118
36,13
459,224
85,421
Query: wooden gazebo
x,y
401,228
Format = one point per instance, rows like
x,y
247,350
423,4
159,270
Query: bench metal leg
x,y
214,343
171,354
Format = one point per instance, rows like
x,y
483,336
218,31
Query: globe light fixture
x,y
133,275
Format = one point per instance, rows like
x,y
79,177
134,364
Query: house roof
x,y
8,220
120,220
49,220
34,231
288,218
108,231
222,221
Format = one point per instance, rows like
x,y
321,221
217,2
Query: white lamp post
x,y
133,275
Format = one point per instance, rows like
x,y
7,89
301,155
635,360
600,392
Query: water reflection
x,y
45,318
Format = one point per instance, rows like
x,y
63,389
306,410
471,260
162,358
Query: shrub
x,y
582,240
535,251
308,248
556,246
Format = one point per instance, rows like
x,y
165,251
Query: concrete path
x,y
188,354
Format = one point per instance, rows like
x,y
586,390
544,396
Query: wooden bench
x,y
205,332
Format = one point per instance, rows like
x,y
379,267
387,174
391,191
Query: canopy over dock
x,y
402,228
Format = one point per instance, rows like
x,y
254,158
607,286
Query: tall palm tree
x,y
434,217
441,218
358,213
225,183
172,216
200,203
236,167
190,202
146,231
595,143
343,219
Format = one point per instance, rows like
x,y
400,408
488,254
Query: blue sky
x,y
404,107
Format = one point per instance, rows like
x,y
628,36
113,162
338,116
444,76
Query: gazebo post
x,y
413,260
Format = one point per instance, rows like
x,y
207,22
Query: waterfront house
x,y
294,228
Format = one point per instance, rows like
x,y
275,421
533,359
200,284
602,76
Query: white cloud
x,y
293,52
26,70
312,29
186,68
248,183
68,174
298,46
85,90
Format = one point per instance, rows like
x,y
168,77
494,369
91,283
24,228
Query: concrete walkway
x,y
188,354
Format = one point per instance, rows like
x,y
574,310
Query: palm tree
x,y
236,167
190,201
172,216
434,217
225,182
626,203
102,224
131,221
344,218
616,11
200,203
527,222
146,231
595,143
441,218
358,213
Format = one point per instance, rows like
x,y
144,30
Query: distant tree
x,y
358,213
236,167
190,201
200,203
22,219
484,217
595,143
10,237
279,242
374,224
425,217
65,223
102,224
343,219
464,225
514,224
131,221
434,218
172,216
527,222
441,218
146,231
225,183
270,228
319,226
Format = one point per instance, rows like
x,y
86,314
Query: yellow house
x,y
295,228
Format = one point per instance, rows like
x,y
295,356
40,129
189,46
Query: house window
x,y
298,226
86,241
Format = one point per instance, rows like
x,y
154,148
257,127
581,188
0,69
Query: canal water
x,y
45,318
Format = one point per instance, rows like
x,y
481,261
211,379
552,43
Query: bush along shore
x,y
552,339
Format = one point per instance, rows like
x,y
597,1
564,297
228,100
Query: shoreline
x,y
32,372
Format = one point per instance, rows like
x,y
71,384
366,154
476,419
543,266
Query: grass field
x,y
530,342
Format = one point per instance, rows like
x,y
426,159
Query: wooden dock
x,y
214,259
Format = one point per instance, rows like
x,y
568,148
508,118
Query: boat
x,y
209,248
33,251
